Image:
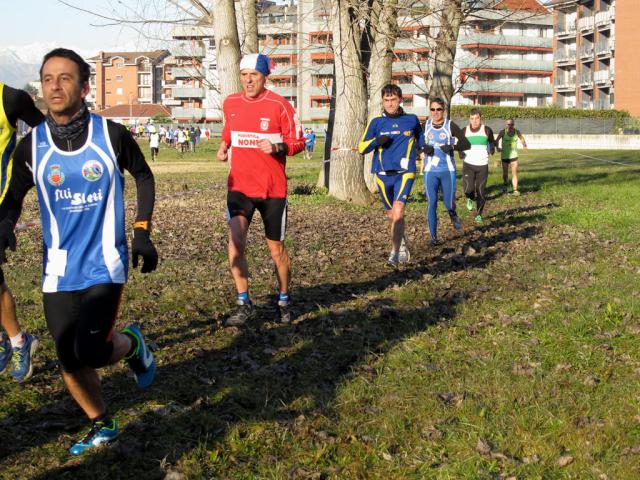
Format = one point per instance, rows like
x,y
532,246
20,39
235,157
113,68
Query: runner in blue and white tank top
x,y
442,137
76,161
80,191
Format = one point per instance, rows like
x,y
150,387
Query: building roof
x,y
137,110
130,57
522,5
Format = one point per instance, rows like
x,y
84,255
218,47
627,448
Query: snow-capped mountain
x,y
15,71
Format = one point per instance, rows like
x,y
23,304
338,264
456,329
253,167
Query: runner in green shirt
x,y
509,148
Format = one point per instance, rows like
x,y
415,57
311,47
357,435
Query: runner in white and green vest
x,y
475,168
509,148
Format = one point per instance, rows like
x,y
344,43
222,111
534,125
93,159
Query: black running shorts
x,y
81,324
509,160
272,210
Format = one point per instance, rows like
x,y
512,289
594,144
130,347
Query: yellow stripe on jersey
x,y
362,146
7,138
383,190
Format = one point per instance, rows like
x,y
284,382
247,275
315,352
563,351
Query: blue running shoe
x,y
5,353
101,433
141,360
22,358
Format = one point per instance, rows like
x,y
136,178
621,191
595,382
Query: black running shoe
x,y
455,221
243,312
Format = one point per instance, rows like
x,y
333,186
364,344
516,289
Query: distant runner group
x,y
76,161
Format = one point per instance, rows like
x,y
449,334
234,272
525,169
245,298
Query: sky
x,y
33,27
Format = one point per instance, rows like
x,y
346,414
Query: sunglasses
x,y
436,109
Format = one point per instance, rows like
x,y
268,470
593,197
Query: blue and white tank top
x,y
439,161
81,209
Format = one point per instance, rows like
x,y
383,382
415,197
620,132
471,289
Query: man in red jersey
x,y
260,129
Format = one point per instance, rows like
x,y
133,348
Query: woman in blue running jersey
x,y
442,137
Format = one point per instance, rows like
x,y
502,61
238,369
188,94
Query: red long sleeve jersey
x,y
246,122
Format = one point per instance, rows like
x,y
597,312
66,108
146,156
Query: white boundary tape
x,y
606,161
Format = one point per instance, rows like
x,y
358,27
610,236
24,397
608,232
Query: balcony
x,y
586,25
507,87
272,49
586,52
604,48
505,64
474,40
171,102
603,78
287,70
188,51
189,92
319,113
411,44
187,72
566,30
585,105
603,20
603,104
188,113
413,89
565,57
586,80
411,66
285,91
565,84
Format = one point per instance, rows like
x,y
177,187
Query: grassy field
x,y
508,352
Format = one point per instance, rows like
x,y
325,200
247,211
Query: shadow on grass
x,y
266,368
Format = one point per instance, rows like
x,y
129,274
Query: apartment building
x,y
594,64
505,56
126,78
190,84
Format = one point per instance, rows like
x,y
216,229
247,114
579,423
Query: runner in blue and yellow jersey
x,y
395,138
442,137
20,346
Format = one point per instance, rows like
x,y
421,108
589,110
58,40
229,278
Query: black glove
x,y
7,239
428,150
382,140
142,245
448,149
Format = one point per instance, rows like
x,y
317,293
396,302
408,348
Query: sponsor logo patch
x,y
407,133
92,170
56,176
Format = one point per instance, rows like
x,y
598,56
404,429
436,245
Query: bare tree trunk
x,y
325,171
450,19
384,31
249,27
227,47
346,178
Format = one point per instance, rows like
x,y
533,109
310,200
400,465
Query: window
x,y
144,92
322,81
320,103
402,57
407,101
144,79
402,79
119,91
320,38
118,78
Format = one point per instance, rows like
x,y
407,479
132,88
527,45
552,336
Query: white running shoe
x,y
393,259
404,255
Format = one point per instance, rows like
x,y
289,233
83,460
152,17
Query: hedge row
x,y
538,112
